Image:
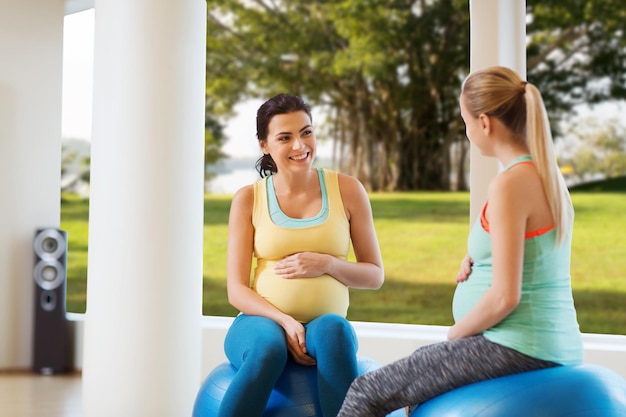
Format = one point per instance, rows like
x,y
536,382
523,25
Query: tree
x,y
385,69
388,72
597,149
75,164
213,141
577,51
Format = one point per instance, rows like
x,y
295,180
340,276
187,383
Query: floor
x,y
25,394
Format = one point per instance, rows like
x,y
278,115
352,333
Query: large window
x,y
422,235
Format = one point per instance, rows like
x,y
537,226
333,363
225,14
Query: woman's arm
x,y
367,271
238,268
507,214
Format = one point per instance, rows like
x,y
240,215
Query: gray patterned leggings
x,y
433,370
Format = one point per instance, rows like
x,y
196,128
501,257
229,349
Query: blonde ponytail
x,y
539,140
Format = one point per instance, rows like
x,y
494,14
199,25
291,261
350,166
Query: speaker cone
x,y
49,244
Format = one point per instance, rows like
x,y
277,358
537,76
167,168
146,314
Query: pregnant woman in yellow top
x,y
293,228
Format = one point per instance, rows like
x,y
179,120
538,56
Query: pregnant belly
x,y
467,295
303,298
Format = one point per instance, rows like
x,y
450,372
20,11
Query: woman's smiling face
x,y
290,140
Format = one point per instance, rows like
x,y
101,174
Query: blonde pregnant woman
x,y
293,229
513,306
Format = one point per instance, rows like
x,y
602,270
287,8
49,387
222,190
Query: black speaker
x,y
51,342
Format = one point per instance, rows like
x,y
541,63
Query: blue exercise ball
x,y
565,391
294,395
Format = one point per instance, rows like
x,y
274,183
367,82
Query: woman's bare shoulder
x,y
349,185
243,199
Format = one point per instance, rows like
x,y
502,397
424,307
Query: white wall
x,y
31,33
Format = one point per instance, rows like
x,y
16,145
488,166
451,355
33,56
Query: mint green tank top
x,y
544,324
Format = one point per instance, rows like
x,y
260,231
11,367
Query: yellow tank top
x,y
302,298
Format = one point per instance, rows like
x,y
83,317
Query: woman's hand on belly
x,y
465,270
296,341
303,265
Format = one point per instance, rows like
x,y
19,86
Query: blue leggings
x,y
257,347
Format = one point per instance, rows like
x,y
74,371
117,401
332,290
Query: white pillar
x,y
142,344
31,46
497,37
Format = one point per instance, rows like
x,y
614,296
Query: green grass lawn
x,y
422,238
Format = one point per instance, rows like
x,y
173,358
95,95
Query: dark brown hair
x,y
279,104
